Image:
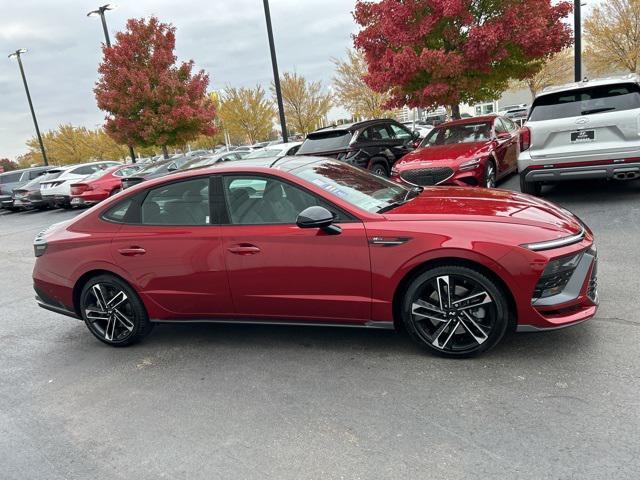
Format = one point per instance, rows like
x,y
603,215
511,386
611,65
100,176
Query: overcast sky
x,y
227,38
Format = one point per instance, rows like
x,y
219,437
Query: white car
x,y
275,151
57,192
422,129
583,130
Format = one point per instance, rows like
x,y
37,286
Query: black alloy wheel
x,y
113,312
455,311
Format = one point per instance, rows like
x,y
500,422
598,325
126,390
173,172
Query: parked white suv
x,y
57,192
588,129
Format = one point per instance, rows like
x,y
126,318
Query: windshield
x,y
461,133
265,153
353,185
586,101
325,141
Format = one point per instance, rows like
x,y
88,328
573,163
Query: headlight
x,y
470,164
556,275
560,242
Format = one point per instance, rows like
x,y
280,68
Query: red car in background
x,y
100,185
475,151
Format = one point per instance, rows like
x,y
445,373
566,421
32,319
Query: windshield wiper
x,y
415,190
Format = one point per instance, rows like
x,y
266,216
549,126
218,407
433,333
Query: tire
x,y
530,188
380,169
450,330
120,325
490,174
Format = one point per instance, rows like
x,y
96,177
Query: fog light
x,y
556,275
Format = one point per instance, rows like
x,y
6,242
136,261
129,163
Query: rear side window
x,y
586,101
178,203
10,177
325,141
86,170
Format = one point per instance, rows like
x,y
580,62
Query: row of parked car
x,y
89,183
588,129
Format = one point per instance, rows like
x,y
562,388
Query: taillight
x,y
79,188
525,138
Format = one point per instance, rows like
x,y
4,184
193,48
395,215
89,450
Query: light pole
x,y
17,55
100,11
276,77
577,34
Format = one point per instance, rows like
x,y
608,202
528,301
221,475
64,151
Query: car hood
x,y
489,205
443,154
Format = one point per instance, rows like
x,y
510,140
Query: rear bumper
x,y
616,171
56,199
6,201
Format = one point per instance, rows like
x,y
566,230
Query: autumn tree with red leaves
x,y
428,53
149,99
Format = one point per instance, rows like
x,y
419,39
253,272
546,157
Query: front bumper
x,y
557,173
577,302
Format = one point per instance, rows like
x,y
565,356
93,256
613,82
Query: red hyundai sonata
x,y
314,241
100,185
475,151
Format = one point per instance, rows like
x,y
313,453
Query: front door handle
x,y
244,249
132,251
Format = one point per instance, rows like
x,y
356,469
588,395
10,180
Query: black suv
x,y
372,144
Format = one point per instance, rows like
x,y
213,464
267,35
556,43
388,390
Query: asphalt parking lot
x,y
257,402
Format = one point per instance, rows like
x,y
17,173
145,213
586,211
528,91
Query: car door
x,y
514,145
171,247
503,146
402,140
280,271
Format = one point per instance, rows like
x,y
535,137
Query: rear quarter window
x,y
10,177
586,101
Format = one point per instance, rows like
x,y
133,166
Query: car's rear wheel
x,y
530,188
455,311
379,168
113,312
490,174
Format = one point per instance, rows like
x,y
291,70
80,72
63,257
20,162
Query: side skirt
x,y
231,321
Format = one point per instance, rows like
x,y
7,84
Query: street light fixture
x,y
17,55
100,12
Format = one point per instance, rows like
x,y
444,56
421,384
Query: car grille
x,y
427,176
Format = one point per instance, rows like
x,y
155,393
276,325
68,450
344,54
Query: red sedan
x,y
313,241
475,151
100,185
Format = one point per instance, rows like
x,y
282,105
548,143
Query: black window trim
x,y
349,218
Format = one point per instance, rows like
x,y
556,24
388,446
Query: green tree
x,y
246,113
305,105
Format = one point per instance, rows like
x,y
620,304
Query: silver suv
x,y
589,129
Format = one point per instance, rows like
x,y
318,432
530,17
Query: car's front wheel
x,y
490,175
455,311
379,169
113,312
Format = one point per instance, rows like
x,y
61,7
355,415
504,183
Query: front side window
x,y
178,203
258,200
401,133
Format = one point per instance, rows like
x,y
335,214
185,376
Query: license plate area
x,y
583,136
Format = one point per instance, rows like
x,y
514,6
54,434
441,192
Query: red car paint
x,y
502,151
306,275
96,190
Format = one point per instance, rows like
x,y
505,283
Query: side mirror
x,y
318,217
416,134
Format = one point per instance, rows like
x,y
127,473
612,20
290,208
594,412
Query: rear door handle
x,y
244,249
132,251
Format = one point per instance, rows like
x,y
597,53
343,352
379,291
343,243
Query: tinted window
x,y
179,203
375,133
325,141
460,133
586,101
34,174
401,133
10,177
86,169
352,184
256,200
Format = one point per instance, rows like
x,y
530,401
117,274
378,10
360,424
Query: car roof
x,y
631,78
354,126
